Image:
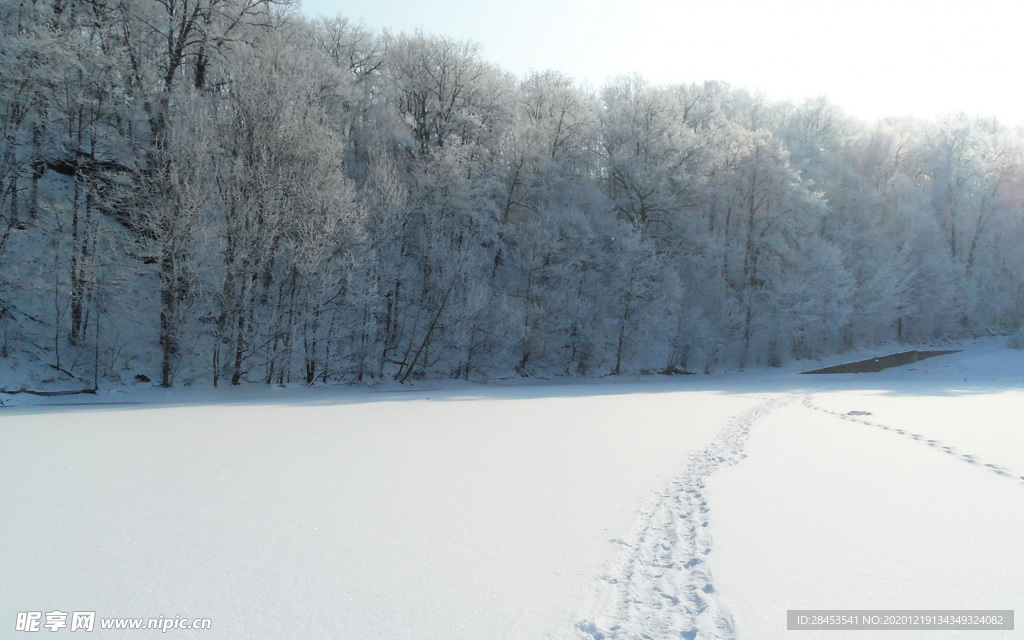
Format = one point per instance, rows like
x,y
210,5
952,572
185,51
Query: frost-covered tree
x,y
293,200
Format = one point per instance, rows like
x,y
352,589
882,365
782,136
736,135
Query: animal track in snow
x,y
969,458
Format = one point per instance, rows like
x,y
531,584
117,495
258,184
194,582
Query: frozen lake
x,y
690,507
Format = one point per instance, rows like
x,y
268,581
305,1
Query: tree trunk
x,y
168,316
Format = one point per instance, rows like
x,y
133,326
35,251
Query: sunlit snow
x,y
559,511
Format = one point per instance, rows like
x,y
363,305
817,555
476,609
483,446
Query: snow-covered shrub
x,y
1016,341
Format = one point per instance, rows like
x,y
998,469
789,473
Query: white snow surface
x,y
691,507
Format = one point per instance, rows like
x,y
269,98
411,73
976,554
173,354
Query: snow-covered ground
x,y
689,507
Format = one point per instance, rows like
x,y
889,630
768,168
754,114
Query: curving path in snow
x,y
829,509
661,584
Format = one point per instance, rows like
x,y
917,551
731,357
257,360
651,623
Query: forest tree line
x,y
226,191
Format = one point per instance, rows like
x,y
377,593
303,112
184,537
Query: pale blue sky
x,y
872,57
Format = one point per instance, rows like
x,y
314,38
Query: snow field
x,y
415,515
831,513
698,509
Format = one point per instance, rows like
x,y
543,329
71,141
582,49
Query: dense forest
x,y
219,191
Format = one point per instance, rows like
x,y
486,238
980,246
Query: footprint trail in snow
x,y
661,586
969,458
